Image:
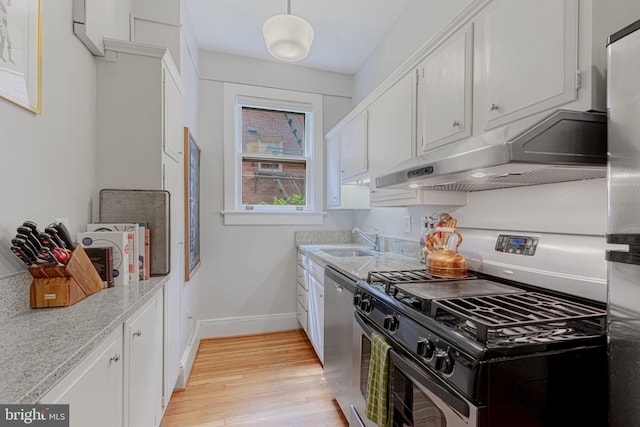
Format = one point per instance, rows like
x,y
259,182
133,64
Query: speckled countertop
x,y
359,267
39,347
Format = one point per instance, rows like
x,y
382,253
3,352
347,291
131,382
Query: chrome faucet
x,y
375,241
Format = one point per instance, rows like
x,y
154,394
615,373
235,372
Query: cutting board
x,y
148,206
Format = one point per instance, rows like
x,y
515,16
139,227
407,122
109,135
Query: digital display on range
x,y
517,245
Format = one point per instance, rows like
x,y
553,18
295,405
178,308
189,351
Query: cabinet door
x,y
316,316
530,58
173,126
445,88
392,131
353,148
93,389
143,365
333,171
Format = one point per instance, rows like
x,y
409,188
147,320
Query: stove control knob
x,y
366,306
356,300
425,348
444,363
390,323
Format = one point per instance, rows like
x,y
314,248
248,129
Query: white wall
x,y
578,207
47,167
189,73
418,24
248,272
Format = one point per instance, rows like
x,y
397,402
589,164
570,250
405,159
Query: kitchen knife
x,y
32,225
64,234
18,252
32,237
24,246
47,241
49,256
53,232
28,242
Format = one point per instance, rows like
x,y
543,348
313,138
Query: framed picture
x,y
191,204
21,53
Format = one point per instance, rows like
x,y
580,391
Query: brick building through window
x,y
274,163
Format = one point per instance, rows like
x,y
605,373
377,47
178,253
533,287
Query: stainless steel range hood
x,y
565,146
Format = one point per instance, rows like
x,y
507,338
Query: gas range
x,y
457,327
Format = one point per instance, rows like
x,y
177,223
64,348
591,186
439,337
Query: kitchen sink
x,y
349,252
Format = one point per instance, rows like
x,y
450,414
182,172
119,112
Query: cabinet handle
x,y
114,358
455,124
339,288
137,333
494,107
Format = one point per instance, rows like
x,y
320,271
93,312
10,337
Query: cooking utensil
x,y
20,254
25,248
53,232
47,241
31,236
64,234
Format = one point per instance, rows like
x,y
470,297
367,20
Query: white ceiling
x,y
346,31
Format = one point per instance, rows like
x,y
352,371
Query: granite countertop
x,y
360,266
41,346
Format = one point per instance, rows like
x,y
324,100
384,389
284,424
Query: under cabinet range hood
x,y
565,146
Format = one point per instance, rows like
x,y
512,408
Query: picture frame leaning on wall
x,y
192,152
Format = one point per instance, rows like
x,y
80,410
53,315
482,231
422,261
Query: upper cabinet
x,y
530,52
445,89
392,133
353,148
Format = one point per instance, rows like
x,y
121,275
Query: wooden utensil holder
x,y
62,286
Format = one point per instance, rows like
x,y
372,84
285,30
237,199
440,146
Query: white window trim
x,y
271,98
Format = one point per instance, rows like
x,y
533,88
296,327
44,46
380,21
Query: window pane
x,y
271,183
277,133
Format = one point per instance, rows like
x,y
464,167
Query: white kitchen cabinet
x,y
392,136
333,171
93,389
353,148
140,130
342,196
445,89
302,295
529,58
143,365
139,115
310,301
316,315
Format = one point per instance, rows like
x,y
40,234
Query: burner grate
x,y
496,314
390,278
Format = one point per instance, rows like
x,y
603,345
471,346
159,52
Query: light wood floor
x,y
266,380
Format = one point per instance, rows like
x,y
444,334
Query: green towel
x,y
379,403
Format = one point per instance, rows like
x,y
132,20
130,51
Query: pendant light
x,y
288,37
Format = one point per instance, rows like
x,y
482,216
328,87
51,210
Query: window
x,y
273,168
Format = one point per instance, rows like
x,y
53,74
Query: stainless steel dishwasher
x,y
338,335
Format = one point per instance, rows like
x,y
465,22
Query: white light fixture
x,y
288,37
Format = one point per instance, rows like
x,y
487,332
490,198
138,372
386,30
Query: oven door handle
x,y
428,383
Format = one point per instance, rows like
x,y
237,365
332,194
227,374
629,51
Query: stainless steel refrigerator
x,y
623,82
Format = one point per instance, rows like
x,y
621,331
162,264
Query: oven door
x,y
420,398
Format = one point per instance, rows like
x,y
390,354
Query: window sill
x,y
272,218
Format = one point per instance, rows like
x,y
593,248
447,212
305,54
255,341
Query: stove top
x,y
489,313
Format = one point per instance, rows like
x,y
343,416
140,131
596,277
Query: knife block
x,y
62,286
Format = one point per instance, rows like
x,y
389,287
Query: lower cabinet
x,y
93,389
310,301
143,365
120,382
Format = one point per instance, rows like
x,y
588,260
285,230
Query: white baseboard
x,y
246,325
187,360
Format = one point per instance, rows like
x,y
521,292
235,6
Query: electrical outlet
x,y
407,224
